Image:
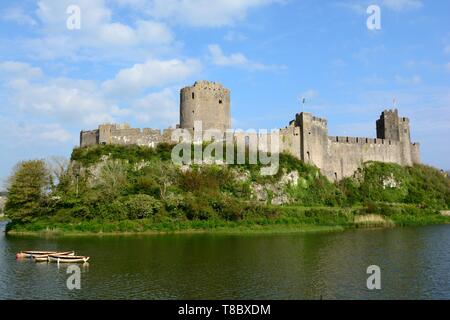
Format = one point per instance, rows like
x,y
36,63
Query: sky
x,y
128,59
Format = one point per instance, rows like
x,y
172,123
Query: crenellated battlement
x,y
319,121
306,137
361,140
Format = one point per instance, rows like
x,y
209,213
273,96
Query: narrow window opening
x,y
335,176
193,95
308,155
220,101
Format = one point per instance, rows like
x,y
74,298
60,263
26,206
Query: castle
x,y
306,137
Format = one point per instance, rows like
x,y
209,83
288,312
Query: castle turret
x,y
208,102
314,138
388,125
392,127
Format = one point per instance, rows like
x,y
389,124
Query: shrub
x,y
229,208
114,211
197,208
142,206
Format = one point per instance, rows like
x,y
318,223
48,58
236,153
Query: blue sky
x,y
130,57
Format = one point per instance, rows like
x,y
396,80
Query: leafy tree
x,y
159,175
27,187
113,178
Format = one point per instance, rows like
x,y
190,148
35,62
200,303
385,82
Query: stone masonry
x,y
306,137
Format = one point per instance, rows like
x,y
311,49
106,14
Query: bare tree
x,y
58,168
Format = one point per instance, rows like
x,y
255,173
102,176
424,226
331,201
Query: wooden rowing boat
x,y
67,259
44,257
29,254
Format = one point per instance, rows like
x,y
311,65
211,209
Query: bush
x,y
229,208
197,208
114,211
142,206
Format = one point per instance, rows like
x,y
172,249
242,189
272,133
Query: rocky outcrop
x,y
275,193
390,182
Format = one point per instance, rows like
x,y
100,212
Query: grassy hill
x,y
113,189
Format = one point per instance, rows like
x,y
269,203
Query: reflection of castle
x,y
306,137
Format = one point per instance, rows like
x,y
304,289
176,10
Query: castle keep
x,y
306,137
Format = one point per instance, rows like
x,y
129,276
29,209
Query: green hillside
x,y
137,189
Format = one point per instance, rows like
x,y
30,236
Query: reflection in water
x,y
414,262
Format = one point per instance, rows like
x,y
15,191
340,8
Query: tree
x,y
27,187
164,174
113,178
59,173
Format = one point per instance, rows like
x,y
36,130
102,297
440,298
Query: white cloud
x,y
153,73
234,36
36,134
83,104
159,109
17,15
19,70
401,5
202,12
54,133
154,32
360,7
65,100
99,33
236,60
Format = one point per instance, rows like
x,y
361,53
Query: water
x,y
414,262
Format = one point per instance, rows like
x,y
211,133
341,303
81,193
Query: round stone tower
x,y
205,101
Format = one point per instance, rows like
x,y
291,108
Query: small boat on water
x,y
30,254
67,259
44,257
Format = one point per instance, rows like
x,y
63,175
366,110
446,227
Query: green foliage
x,y
391,183
131,153
142,206
28,187
137,188
429,187
113,178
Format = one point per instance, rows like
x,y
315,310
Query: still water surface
x,y
415,264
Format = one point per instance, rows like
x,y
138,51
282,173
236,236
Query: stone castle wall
x,y
306,137
123,135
